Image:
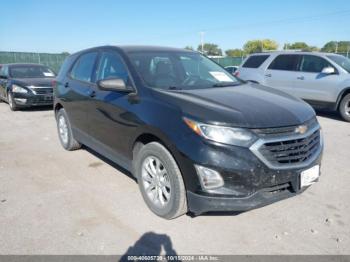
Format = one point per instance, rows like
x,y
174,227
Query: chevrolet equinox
x,y
196,138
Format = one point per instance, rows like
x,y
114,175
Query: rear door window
x,y
82,69
285,62
255,61
313,64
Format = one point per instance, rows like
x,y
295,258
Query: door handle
x,y
300,77
268,75
92,93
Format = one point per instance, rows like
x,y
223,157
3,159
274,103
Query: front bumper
x,y
201,203
30,99
248,182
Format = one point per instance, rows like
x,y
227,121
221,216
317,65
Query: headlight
x,y
19,89
225,135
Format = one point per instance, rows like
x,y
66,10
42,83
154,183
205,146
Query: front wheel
x,y
11,102
160,181
344,108
65,133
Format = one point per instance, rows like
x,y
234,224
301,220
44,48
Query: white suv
x,y
321,79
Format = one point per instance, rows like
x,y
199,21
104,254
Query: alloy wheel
x,y
63,129
155,181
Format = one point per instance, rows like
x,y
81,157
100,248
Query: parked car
x,y
26,85
321,79
195,137
231,69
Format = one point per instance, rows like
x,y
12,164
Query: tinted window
x,y
83,67
313,64
342,61
30,71
285,62
111,66
255,61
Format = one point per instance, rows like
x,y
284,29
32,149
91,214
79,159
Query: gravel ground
x,y
58,202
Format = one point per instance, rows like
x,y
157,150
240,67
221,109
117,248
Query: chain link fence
x,y
54,61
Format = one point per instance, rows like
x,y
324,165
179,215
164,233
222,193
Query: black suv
x,y
195,137
26,85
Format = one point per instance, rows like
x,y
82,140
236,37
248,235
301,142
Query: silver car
x,y
321,79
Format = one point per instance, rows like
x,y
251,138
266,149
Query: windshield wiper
x,y
174,88
225,84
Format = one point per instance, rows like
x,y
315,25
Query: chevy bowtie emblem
x,y
301,129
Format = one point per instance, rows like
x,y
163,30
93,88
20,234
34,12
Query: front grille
x,y
289,149
42,100
43,91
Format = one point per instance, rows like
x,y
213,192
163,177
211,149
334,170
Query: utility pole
x,y
336,47
202,41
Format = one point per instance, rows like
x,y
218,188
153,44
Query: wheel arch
x,y
57,107
149,136
343,93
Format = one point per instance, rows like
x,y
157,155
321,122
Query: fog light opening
x,y
209,178
21,100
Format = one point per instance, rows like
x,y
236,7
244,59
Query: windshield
x,y
342,61
180,70
31,71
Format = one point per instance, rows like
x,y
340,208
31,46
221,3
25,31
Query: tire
x,y
65,133
344,108
168,197
11,102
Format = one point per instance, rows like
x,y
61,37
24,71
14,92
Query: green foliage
x,y
297,45
235,52
210,49
189,47
333,46
255,46
300,46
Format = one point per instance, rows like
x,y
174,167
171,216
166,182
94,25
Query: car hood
x,y
247,105
42,82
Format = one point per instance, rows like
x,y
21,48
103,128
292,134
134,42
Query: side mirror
x,y
113,84
328,70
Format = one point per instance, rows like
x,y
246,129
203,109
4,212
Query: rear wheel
x,y
344,108
11,102
65,131
160,181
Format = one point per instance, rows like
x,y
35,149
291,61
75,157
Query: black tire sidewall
x,y
63,113
10,97
342,108
159,151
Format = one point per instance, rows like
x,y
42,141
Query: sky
x,y
69,26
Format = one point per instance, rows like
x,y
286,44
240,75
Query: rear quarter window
x,y
255,61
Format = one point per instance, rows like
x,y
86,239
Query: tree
x,y
188,47
300,46
255,46
297,45
334,46
235,52
210,49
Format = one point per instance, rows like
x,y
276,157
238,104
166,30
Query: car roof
x,y
22,64
137,48
292,52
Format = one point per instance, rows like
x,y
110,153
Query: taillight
x,y
53,83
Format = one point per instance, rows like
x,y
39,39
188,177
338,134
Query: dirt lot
x,y
58,202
